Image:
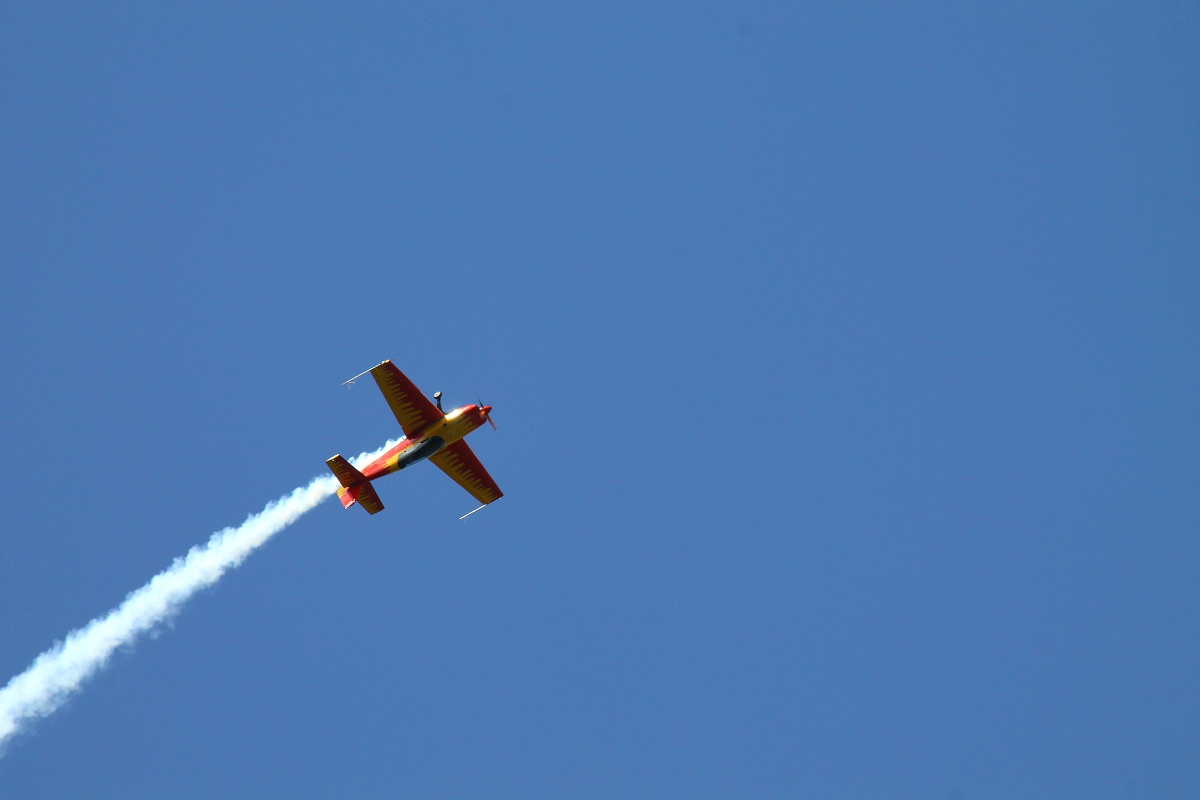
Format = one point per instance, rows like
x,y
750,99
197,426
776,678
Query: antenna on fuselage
x,y
437,398
469,513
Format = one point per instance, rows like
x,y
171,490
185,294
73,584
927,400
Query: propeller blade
x,y
487,416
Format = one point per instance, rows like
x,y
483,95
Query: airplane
x,y
429,434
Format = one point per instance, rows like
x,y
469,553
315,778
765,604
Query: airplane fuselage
x,y
435,436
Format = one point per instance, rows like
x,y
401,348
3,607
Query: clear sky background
x,y
845,363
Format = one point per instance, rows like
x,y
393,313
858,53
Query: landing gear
x,y
437,398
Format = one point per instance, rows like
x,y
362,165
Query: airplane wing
x,y
463,467
412,409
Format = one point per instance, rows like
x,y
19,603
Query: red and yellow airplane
x,y
428,434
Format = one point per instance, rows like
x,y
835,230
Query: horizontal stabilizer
x,y
346,474
362,493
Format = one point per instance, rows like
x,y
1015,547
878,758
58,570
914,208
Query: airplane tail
x,y
355,486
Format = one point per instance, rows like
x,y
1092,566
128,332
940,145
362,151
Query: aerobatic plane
x,y
428,434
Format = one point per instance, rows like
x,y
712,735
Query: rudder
x,y
362,493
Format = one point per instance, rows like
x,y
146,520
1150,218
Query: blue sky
x,y
844,361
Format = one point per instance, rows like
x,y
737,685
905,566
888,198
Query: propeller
x,y
487,412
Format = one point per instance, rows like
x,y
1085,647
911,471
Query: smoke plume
x,y
62,670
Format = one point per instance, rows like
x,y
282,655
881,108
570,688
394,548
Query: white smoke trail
x,y
60,671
